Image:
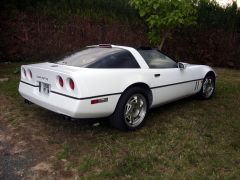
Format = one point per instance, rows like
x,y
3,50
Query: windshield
x,y
155,59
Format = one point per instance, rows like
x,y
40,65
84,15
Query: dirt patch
x,y
4,79
43,166
24,152
14,160
41,170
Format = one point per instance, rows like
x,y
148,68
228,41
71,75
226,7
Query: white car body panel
x,y
90,84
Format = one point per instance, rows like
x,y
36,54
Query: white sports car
x,y
118,82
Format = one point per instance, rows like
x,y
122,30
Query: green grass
x,y
10,71
188,139
65,151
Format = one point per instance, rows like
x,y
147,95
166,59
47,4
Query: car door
x,y
168,82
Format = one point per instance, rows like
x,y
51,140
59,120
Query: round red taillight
x,y
30,74
60,81
24,72
71,84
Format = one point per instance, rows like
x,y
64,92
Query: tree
x,y
163,16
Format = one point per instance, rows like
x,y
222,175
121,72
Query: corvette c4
x,y
118,82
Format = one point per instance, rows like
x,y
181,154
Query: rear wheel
x,y
131,110
208,87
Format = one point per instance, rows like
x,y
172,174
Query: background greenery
x,y
209,13
94,9
37,30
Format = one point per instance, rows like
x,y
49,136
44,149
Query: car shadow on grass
x,y
155,115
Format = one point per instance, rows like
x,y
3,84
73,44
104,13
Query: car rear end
x,y
60,89
42,84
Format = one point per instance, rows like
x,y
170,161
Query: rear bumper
x,y
68,106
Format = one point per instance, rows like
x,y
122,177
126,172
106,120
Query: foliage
x,y
211,15
94,9
36,30
163,16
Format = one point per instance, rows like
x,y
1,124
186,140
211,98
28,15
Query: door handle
x,y
156,75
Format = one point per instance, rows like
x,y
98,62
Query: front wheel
x,y
131,110
208,87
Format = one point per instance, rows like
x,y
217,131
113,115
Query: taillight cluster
x,y
69,83
27,73
60,81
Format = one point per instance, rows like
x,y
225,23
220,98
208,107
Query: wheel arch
x,y
211,73
143,86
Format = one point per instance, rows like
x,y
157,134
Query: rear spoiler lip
x,y
58,68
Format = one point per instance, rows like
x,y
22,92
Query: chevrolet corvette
x,y
118,82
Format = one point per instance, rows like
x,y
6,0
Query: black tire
x,y
202,94
118,119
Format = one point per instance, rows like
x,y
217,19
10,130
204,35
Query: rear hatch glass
x,y
100,57
87,56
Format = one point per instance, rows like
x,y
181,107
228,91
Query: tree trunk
x,y
162,42
165,35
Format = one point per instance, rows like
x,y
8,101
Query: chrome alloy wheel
x,y
208,87
135,110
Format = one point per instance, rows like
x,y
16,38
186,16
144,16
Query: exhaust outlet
x,y
27,101
68,118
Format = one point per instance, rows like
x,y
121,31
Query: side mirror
x,y
181,65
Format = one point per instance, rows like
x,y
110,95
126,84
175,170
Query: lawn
x,y
188,139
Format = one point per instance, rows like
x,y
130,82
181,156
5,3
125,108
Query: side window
x,y
123,59
156,59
